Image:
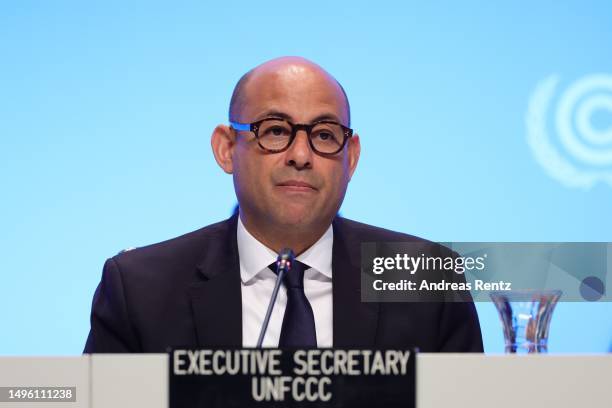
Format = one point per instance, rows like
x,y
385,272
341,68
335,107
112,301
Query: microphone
x,y
283,265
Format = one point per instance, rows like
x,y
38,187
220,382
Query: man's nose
x,y
299,154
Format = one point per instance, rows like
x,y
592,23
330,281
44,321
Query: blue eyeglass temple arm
x,y
241,126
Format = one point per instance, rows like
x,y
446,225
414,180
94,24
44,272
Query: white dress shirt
x,y
258,283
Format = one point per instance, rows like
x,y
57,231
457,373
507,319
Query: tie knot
x,y
294,277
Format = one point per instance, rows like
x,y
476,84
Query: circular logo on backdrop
x,y
565,137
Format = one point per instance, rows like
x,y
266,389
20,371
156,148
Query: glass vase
x,y
525,316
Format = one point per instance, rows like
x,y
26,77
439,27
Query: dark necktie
x,y
298,328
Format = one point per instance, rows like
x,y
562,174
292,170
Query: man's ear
x,y
354,150
223,142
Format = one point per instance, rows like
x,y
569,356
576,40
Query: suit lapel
x,y
354,322
216,299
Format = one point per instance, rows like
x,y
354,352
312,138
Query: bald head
x,y
279,69
289,195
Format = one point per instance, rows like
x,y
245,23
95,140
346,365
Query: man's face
x,y
296,188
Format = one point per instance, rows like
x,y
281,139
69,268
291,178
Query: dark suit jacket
x,y
186,292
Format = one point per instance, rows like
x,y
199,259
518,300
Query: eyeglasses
x,y
276,135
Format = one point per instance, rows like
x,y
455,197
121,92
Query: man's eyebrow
x,y
283,115
327,116
274,114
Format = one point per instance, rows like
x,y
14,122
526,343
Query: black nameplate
x,y
272,377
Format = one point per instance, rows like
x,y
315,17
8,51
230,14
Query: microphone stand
x,y
283,265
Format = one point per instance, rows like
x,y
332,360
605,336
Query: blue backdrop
x,y
106,112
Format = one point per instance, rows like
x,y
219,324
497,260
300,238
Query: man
x,y
291,152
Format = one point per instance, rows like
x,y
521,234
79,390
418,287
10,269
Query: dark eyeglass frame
x,y
295,127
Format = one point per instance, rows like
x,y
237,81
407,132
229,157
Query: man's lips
x,y
297,185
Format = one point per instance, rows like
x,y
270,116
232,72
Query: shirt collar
x,y
256,257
